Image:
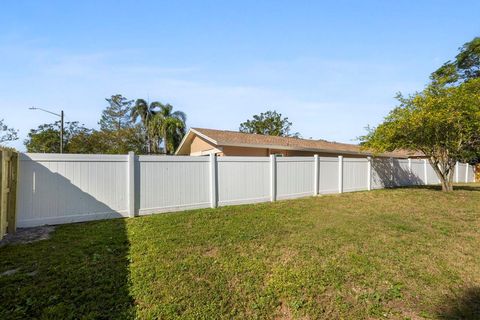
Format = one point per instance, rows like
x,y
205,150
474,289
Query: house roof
x,y
234,138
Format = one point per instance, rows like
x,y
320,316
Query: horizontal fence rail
x,y
66,188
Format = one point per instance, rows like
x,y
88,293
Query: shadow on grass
x,y
439,188
464,305
80,273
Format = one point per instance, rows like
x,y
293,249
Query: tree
x,y
442,121
6,133
117,115
144,111
79,139
87,141
118,133
167,126
466,65
268,123
122,141
46,138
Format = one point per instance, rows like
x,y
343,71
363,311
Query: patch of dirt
x,y
28,235
212,252
402,311
288,255
284,312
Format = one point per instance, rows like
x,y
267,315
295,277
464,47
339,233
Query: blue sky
x,y
331,67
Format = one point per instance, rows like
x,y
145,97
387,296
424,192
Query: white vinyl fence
x,y
65,188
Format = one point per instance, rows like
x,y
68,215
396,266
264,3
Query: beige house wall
x,y
298,153
245,151
199,144
265,152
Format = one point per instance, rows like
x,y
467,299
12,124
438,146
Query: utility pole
x,y
61,131
61,115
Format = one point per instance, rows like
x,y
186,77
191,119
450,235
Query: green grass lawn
x,y
409,253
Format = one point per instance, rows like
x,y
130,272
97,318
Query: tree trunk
x,y
165,142
446,178
447,185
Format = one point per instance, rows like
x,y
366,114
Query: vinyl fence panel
x,y
382,173
167,183
355,176
462,171
471,174
57,189
401,172
328,175
432,177
295,177
417,172
243,180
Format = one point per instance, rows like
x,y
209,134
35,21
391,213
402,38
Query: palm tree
x,y
168,126
145,111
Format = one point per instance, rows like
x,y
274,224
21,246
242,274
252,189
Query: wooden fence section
x,y
8,191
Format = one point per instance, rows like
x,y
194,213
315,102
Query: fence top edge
x,y
71,157
328,159
361,160
295,159
155,158
243,159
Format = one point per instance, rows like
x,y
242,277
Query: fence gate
x,y
8,191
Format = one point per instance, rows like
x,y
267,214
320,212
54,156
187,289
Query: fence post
x,y
131,183
369,173
392,173
425,175
273,178
456,171
316,174
213,180
340,174
410,173
466,173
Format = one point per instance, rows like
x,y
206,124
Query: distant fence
x,y
64,188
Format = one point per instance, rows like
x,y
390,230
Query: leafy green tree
x,y
46,138
442,122
117,115
464,67
6,133
269,123
121,141
87,141
78,139
118,133
168,126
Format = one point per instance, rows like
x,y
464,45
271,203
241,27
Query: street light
x,y
61,121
